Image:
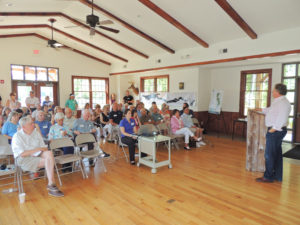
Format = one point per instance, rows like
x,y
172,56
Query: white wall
x,y
20,51
228,80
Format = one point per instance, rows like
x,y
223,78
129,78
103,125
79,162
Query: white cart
x,y
148,145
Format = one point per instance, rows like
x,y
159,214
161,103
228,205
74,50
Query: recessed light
x,y
9,4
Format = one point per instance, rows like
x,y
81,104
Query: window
x,y
42,80
91,90
34,73
255,90
155,84
290,72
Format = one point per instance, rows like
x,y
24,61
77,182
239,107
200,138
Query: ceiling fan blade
x,y
73,26
109,29
106,22
92,31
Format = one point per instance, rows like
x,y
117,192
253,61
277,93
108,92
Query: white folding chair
x,y
174,137
95,153
68,158
10,173
122,145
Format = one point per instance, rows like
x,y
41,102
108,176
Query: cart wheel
x,y
153,171
170,166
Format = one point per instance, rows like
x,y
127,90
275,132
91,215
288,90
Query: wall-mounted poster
x,y
173,100
215,104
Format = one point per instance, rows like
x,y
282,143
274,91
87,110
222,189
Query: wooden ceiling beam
x,y
49,14
173,21
65,46
237,18
128,26
63,33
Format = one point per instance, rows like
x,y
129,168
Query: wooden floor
x,y
208,185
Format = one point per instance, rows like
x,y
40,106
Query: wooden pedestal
x,y
256,141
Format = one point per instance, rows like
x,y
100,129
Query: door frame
x,y
296,105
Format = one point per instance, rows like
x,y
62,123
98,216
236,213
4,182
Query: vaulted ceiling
x,y
147,27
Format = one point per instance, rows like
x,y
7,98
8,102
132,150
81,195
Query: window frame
x,y
142,82
243,87
36,67
90,86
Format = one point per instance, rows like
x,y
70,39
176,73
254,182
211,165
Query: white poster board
x,y
216,100
173,100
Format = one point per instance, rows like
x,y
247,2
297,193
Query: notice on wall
x,y
173,100
216,100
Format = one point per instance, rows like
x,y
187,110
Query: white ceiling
x,y
203,17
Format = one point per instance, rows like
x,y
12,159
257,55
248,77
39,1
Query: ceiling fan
x,y
93,21
53,43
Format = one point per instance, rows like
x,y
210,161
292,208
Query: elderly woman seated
x,y
178,128
58,130
10,127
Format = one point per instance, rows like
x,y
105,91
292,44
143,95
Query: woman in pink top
x,y
178,128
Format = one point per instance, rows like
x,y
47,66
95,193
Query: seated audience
x,y
12,102
48,103
156,116
69,120
34,113
128,98
48,115
113,98
84,125
87,106
1,123
115,116
58,130
138,109
10,127
31,153
186,105
145,118
32,102
128,128
131,108
98,110
136,119
153,104
104,121
165,112
6,111
178,128
125,106
44,125
1,110
26,111
188,122
20,112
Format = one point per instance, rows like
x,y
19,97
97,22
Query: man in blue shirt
x,y
43,124
84,125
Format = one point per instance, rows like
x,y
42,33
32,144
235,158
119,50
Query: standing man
x,y
276,120
72,104
128,98
32,101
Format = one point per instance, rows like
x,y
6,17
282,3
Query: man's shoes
x,y
110,141
263,180
91,162
132,162
202,143
187,148
54,191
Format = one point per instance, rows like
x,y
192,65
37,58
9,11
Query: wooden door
x,y
297,114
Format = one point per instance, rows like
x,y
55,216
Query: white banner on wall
x,y
173,100
216,100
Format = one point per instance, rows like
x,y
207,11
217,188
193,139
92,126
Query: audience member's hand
x,y
93,131
76,132
43,149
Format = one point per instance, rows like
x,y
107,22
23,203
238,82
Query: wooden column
x,y
256,142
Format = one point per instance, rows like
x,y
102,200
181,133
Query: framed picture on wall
x,y
181,85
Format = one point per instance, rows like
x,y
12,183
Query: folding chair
x,y
82,140
68,158
174,137
122,145
11,171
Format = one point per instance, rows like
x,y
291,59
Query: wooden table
x,y
148,145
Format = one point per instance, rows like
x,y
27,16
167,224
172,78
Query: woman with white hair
x,y
58,130
10,127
